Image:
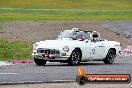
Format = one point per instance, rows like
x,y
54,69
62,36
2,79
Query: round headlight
x,y
66,48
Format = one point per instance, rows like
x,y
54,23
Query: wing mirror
x,y
87,40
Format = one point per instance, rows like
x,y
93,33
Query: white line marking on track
x,y
103,10
9,73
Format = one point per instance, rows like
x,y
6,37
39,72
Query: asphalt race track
x,y
123,28
60,72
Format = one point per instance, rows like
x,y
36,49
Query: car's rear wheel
x,y
74,58
39,62
109,59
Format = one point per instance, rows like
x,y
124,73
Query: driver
x,y
79,37
96,37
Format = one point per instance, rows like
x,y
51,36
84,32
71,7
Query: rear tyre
x,y
109,59
74,58
39,62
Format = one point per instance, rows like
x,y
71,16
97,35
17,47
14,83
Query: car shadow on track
x,y
81,64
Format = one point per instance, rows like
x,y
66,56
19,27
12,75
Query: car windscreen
x,y
86,35
68,34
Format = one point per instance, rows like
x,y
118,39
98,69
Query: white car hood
x,y
54,44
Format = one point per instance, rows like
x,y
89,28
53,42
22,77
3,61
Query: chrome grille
x,y
48,51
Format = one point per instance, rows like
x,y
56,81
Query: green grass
x,y
62,15
15,50
68,4
59,10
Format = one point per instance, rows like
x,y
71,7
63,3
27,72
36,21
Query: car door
x,y
97,50
86,50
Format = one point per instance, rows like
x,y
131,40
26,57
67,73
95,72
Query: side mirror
x,y
87,40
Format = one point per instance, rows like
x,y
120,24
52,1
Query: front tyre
x,y
109,57
74,58
39,62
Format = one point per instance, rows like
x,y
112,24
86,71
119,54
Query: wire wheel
x,y
75,58
109,57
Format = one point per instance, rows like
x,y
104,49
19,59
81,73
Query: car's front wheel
x,y
74,58
39,62
109,57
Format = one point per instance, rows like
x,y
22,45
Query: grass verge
x,y
15,50
68,4
63,15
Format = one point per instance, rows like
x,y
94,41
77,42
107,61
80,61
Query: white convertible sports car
x,y
75,46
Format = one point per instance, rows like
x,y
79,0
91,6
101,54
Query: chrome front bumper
x,y
50,57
